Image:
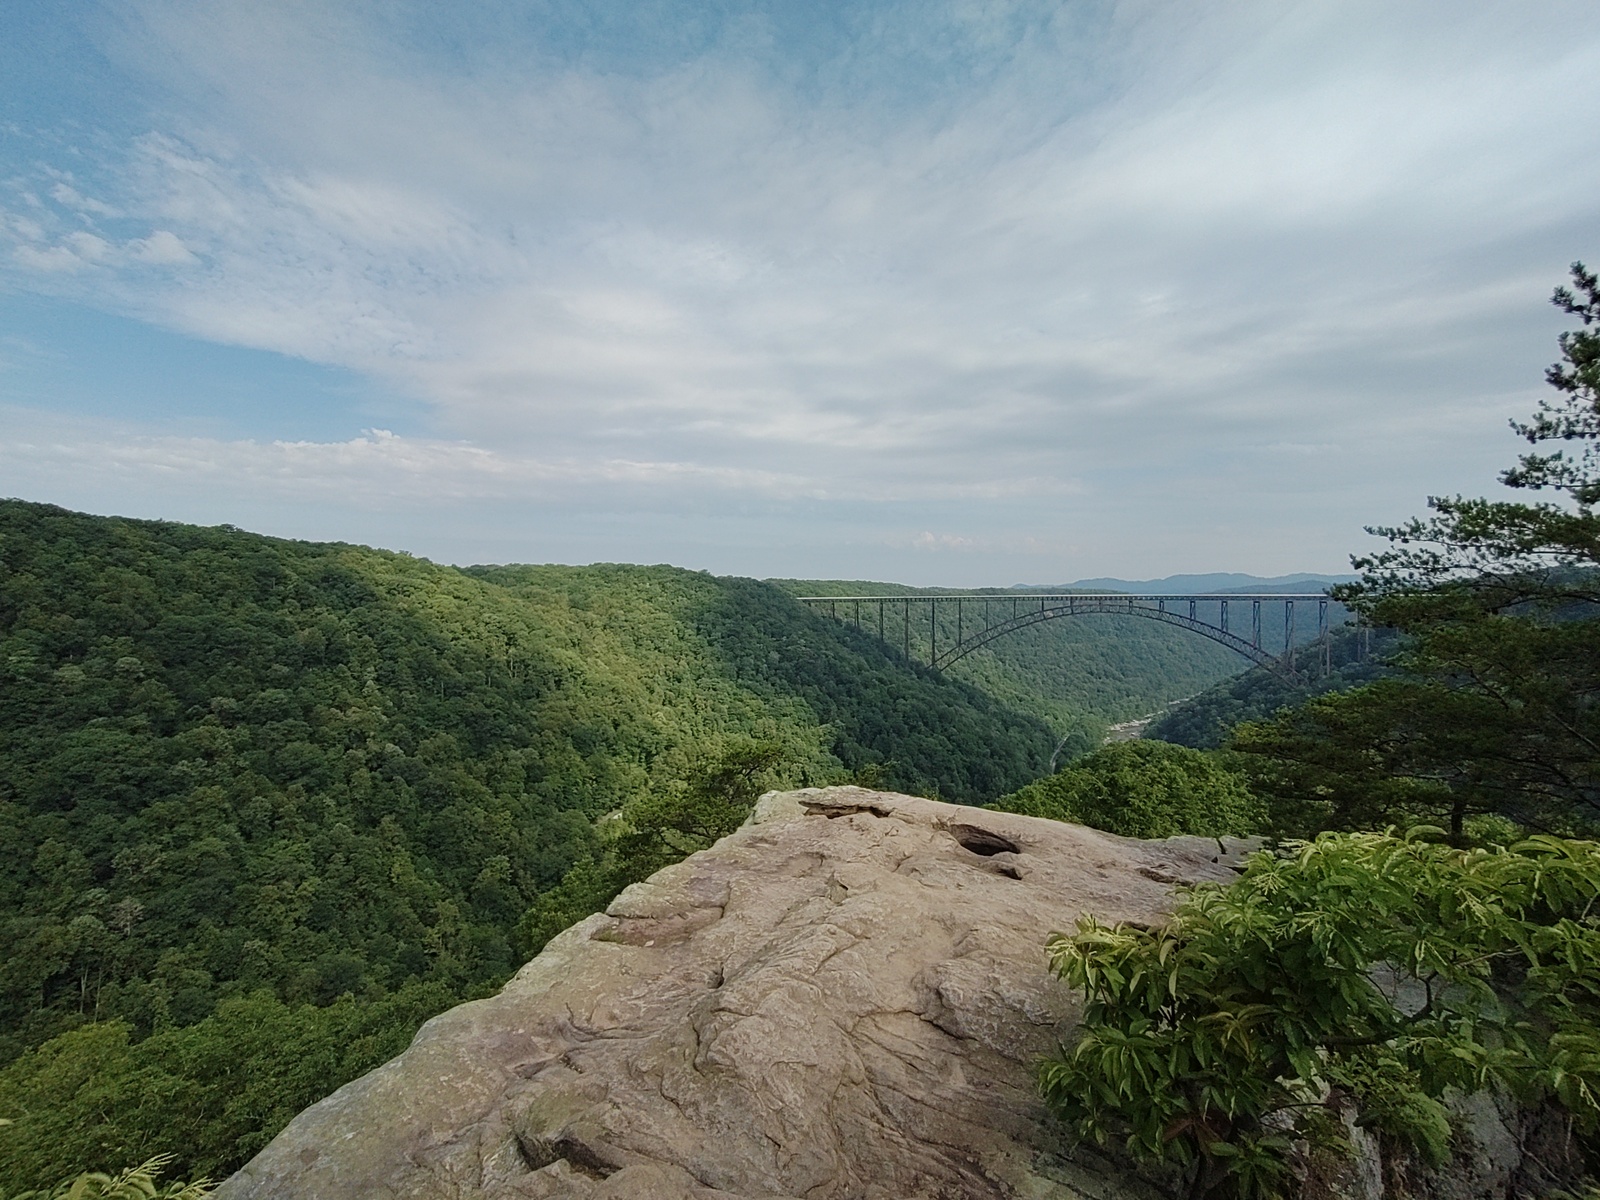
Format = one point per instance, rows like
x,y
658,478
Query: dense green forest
x,y
1206,720
292,799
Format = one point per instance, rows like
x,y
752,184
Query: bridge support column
x,y
1324,638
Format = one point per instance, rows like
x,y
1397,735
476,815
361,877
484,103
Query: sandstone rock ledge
x,y
840,1001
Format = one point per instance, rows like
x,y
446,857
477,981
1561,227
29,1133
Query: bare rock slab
x,y
841,1001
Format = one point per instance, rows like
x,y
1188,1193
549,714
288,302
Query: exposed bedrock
x,y
841,1001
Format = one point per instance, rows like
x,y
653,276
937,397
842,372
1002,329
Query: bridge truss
x,y
979,619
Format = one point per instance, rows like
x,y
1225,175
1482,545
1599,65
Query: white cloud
x,y
161,248
381,466
48,260
88,247
943,541
65,194
1129,254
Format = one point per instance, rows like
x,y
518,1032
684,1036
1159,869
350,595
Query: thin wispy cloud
x,y
1137,268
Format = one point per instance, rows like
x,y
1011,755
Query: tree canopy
x,y
295,798
1491,708
1144,789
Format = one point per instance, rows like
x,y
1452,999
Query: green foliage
x,y
711,804
1493,707
233,767
587,888
1365,967
1143,789
230,763
213,1093
652,832
1206,721
135,1183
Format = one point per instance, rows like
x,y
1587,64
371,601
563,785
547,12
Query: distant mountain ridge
x,y
1220,581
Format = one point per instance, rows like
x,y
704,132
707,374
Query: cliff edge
x,y
840,1001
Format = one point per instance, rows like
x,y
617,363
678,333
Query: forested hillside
x,y
681,632
1205,720
272,803
241,778
210,741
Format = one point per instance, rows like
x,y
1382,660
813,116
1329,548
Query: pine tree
x,y
1494,707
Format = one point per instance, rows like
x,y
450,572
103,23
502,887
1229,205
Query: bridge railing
x,y
980,618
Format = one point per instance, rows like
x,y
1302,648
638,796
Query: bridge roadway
x,y
1019,610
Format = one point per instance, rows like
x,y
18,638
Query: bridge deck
x,y
1022,609
1209,596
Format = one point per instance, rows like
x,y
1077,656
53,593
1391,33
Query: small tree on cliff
x,y
1494,709
659,829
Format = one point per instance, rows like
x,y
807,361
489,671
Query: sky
x,y
955,292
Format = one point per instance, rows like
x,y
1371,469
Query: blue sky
x,y
945,292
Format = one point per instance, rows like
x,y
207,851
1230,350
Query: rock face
x,y
841,1001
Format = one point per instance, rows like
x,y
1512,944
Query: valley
x,y
281,801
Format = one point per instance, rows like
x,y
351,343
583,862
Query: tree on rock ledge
x,y
1494,708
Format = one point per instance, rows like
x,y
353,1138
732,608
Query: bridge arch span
x,y
1033,609
1216,633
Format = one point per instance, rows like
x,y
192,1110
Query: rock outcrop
x,y
841,1001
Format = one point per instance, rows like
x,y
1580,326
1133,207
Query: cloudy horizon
x,y
959,293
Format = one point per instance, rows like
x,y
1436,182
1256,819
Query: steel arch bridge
x,y
994,616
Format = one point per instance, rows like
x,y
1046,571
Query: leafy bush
x,y
1143,789
1369,968
136,1183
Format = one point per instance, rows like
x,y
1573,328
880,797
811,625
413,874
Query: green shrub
x,y
136,1183
1365,967
1143,789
